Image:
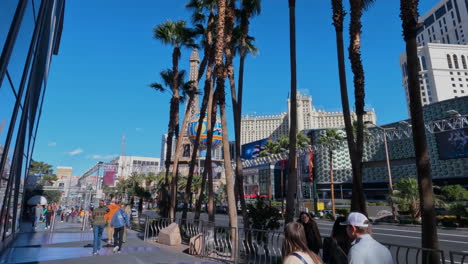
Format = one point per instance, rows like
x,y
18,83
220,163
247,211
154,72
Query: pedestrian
x,y
295,246
364,249
68,212
48,216
336,247
128,210
108,217
98,223
120,221
81,215
312,233
38,213
58,215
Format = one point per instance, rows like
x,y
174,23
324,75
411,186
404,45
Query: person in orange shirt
x,y
113,208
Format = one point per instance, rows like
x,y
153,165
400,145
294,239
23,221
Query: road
x,y
405,235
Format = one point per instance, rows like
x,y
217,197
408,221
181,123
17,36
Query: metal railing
x,y
253,246
409,255
458,257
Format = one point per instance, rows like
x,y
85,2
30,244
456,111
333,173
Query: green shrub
x,y
343,211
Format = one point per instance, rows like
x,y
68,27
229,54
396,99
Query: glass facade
x,y
30,32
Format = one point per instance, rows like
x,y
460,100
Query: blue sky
x,y
98,84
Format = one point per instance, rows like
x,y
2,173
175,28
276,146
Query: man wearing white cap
x,y
365,249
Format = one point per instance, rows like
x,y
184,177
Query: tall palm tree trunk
x,y
338,17
292,176
175,166
409,15
208,162
209,58
358,202
237,111
332,183
210,127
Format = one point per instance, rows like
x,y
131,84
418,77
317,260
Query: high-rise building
x,y
30,33
444,73
137,164
445,23
254,128
442,53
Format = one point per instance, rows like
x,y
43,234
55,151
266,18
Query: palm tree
x,y
177,35
220,79
358,202
191,90
292,186
331,138
199,7
409,16
249,8
149,179
338,17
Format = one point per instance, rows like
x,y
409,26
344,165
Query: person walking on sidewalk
x,y
364,249
98,223
120,221
38,213
108,217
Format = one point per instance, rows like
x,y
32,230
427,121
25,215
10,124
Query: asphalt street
x,y
450,239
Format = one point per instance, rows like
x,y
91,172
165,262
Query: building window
x,y
462,91
454,91
453,79
451,73
463,62
449,62
453,85
461,85
458,73
423,61
455,61
459,79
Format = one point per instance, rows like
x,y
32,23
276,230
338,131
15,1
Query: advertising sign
x,y
452,144
252,150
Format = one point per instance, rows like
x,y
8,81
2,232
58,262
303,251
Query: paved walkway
x,y
67,247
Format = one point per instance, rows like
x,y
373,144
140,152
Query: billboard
x,y
452,144
109,175
252,150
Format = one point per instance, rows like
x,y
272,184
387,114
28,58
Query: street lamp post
x,y
389,171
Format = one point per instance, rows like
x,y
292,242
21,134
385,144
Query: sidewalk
x,y
74,247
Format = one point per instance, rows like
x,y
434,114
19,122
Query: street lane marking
x,y
400,230
443,240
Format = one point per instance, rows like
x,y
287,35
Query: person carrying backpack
x,y
120,221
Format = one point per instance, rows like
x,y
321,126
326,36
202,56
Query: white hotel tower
x,y
443,53
273,126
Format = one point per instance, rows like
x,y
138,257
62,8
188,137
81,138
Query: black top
x,y
332,252
314,240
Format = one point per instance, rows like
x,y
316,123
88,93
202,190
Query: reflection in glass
x,y
7,12
20,51
7,103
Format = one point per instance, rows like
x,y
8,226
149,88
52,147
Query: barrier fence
x,y
253,246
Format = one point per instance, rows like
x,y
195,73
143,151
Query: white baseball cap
x,y
356,219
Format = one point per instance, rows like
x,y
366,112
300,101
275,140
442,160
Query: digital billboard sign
x,y
452,144
252,150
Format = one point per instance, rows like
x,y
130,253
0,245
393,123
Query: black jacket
x,y
332,252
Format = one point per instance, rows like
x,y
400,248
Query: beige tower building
x,y
259,127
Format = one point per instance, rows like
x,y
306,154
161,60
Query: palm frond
x,y
366,4
158,87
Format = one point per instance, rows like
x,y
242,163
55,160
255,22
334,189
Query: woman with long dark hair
x,y
336,247
312,233
295,246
